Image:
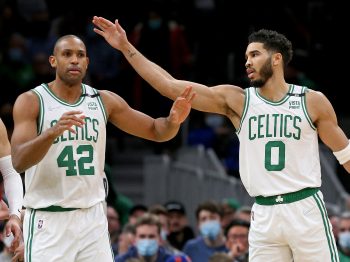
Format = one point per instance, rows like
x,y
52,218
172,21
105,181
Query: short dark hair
x,y
210,206
236,222
137,207
273,41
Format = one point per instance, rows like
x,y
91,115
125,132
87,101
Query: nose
x,y
247,63
74,59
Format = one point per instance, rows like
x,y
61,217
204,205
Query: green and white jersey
x,y
278,144
71,173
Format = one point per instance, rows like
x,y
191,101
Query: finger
x,y
118,26
191,98
104,22
186,91
101,33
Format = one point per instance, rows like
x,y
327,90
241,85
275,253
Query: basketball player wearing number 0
x,y
278,125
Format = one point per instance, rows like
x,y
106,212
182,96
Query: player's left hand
x,y
181,106
14,226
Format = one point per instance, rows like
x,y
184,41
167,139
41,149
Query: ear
x,y
277,59
53,62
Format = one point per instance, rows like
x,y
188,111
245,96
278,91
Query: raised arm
x,y
212,99
325,119
139,124
28,148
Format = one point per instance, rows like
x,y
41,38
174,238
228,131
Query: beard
x,y
265,74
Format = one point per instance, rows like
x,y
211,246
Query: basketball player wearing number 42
x,y
278,125
59,140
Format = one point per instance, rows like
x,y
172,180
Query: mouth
x,y
250,72
74,71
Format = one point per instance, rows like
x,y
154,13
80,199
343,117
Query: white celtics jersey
x,y
278,144
71,173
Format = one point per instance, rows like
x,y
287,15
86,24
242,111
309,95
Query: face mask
x,y
344,240
147,247
210,229
163,234
155,23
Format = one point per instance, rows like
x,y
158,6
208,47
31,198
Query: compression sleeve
x,y
13,186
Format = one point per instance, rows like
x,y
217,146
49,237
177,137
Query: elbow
x,y
17,165
19,169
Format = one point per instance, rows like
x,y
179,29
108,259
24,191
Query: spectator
x,y
136,211
179,230
236,234
147,241
229,208
113,227
212,238
126,238
162,214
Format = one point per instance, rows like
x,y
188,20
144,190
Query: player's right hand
x,y
67,121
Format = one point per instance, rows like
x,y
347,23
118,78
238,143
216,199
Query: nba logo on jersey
x,y
40,223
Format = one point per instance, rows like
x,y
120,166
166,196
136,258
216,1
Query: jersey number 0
x,y
280,164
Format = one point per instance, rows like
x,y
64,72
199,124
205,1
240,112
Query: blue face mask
x,y
344,240
147,247
210,229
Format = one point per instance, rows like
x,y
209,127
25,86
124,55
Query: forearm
x,y
13,186
156,76
27,154
165,129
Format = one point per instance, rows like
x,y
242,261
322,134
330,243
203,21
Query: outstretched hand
x,y
112,32
182,106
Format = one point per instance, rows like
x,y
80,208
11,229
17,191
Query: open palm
x,y
113,33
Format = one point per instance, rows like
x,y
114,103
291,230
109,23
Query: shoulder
x,y
318,104
131,253
193,242
112,101
28,99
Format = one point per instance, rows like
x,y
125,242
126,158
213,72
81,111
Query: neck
x,y
274,90
68,93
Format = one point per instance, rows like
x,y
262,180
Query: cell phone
x,y
8,240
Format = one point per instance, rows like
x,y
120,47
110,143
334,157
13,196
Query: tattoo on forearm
x,y
131,54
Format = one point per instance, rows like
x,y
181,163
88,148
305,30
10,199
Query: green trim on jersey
x,y
103,108
40,119
245,108
30,236
80,100
328,231
284,99
303,104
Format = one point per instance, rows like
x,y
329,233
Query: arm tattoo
x,y
131,54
